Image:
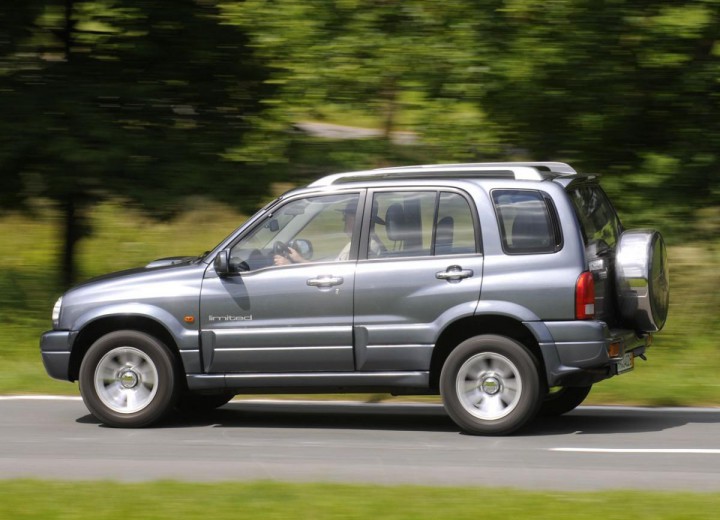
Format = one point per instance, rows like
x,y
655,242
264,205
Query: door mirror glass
x,y
221,264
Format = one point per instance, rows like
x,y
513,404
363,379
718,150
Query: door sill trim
x,y
316,381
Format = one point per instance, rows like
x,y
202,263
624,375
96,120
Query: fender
x,y
186,336
554,369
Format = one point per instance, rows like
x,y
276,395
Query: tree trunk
x,y
71,227
72,232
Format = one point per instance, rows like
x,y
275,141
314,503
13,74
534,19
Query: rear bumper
x,y
579,353
55,348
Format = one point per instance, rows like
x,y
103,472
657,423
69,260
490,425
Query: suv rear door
x,y
601,230
420,268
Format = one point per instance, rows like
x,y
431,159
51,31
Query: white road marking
x,y
40,398
692,451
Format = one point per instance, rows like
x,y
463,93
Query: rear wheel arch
x,y
466,328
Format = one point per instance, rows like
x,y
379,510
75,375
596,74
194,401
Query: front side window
x,y
527,220
312,229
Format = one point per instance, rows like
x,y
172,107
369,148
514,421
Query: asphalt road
x,y
589,449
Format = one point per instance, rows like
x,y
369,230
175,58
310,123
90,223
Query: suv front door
x,y
288,306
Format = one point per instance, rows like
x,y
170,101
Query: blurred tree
x,y
136,99
387,64
623,86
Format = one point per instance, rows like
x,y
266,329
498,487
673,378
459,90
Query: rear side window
x,y
600,224
528,222
421,223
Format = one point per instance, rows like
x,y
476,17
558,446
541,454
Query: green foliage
x,y
395,65
621,87
106,97
129,98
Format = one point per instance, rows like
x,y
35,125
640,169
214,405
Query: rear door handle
x,y
325,281
454,273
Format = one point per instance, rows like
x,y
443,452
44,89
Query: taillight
x,y
585,297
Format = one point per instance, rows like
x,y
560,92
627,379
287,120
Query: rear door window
x,y
421,223
454,226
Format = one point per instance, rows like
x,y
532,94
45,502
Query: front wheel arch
x,y
100,327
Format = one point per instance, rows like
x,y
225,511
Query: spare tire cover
x,y
641,274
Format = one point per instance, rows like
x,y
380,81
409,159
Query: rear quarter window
x,y
528,222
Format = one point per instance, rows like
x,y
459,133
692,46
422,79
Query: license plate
x,y
626,364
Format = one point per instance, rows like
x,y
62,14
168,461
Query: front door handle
x,y
325,281
454,273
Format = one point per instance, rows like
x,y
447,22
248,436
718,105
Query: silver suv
x,y
508,288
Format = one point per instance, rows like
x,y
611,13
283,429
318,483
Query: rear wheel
x,y
127,379
563,399
490,385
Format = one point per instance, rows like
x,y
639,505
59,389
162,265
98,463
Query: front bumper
x,y
56,347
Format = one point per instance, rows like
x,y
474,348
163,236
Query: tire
x,y
128,379
564,399
642,280
490,385
192,403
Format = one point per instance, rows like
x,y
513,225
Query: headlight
x,y
56,312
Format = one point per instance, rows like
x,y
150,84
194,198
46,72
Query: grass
x,y
681,370
27,500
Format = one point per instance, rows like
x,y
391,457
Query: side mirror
x,y
222,263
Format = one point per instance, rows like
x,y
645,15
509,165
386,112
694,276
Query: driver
x,y
294,257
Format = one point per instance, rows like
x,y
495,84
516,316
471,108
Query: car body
x,y
508,288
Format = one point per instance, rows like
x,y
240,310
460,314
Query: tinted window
x,y
527,222
597,217
455,229
421,223
404,223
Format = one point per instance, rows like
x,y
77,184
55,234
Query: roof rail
x,y
503,170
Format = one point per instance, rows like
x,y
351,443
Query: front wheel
x,y
127,379
490,385
193,403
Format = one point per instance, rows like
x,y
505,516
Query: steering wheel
x,y
281,249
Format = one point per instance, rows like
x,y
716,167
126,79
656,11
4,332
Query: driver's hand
x,y
293,257
281,260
